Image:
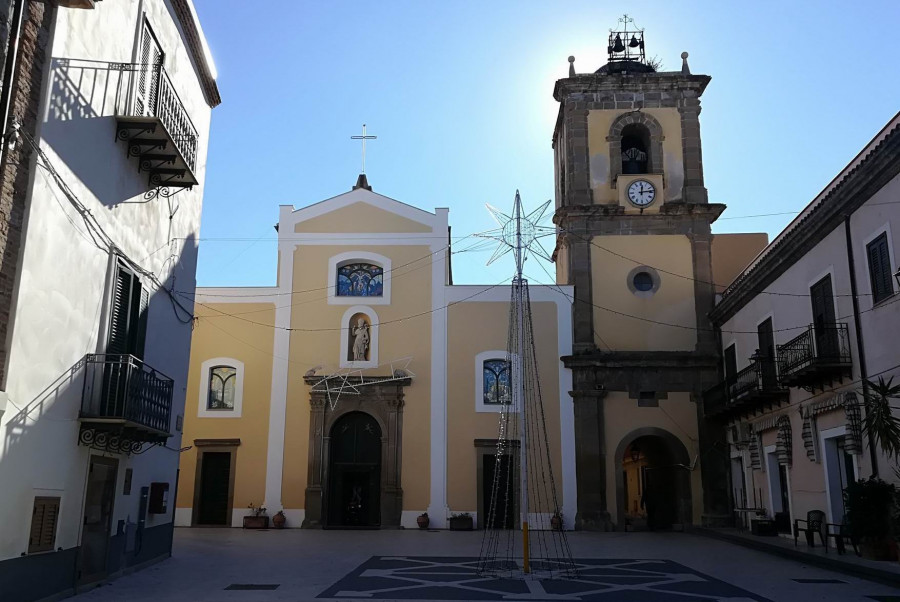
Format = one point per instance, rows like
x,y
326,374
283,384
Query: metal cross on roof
x,y
363,138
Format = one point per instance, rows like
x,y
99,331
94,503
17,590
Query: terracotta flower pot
x,y
278,520
423,521
556,522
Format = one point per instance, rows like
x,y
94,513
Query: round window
x,y
643,281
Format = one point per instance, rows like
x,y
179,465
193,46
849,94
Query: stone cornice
x,y
879,167
630,360
588,83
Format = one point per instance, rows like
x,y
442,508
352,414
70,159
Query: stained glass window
x,y
497,385
221,388
360,280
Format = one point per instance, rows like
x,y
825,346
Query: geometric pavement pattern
x,y
455,578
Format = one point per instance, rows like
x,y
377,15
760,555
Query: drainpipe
x,y
9,71
860,347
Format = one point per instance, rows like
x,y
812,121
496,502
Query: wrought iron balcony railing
x,y
155,124
748,390
124,395
819,354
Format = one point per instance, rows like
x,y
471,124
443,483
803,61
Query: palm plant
x,y
882,427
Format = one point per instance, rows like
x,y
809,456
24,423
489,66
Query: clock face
x,y
641,193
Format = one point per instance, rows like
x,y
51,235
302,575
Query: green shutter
x,y
43,524
880,268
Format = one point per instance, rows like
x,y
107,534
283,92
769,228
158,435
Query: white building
x,y
802,328
112,104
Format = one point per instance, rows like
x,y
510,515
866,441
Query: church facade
x,y
625,344
364,389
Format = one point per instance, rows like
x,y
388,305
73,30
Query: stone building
x,y
637,246
803,327
106,113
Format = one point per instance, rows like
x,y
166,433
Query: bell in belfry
x,y
633,43
618,46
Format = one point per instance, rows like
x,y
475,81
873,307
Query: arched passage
x,y
653,480
354,472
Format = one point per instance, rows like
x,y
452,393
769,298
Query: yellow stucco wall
x,y
677,415
220,336
316,339
474,327
731,253
599,122
673,303
360,217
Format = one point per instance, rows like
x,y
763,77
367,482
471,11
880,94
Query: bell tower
x,y
635,241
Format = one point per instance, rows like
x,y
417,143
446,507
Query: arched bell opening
x,y
635,149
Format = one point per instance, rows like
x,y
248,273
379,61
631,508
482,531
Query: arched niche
x,y
359,338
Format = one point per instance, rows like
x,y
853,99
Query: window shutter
x,y
880,268
142,322
119,316
43,524
148,74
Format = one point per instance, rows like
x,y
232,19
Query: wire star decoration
x,y
519,232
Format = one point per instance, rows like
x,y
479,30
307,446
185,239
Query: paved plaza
x,y
243,566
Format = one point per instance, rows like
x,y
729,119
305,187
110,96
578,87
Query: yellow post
x,y
525,547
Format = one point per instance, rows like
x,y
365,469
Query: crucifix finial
x,y
364,137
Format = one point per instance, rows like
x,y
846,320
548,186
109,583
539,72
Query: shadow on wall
x,y
85,96
41,451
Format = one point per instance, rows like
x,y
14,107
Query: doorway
x,y
354,473
99,498
213,506
779,491
498,479
653,487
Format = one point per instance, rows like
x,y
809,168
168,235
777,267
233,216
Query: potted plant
x,y
279,519
460,521
257,518
869,504
556,521
423,521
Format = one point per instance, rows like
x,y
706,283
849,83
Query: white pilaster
x,y
278,404
566,411
437,508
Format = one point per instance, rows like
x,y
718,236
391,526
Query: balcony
x,y
754,388
819,355
152,121
125,403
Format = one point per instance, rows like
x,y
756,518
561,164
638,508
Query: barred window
x,y
359,279
221,388
497,382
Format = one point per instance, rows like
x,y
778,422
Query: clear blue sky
x,y
460,96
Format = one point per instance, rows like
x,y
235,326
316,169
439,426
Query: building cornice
x,y
195,44
871,170
590,83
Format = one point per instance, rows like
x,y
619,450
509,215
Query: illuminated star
x,y
518,232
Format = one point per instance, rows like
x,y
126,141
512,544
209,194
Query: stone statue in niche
x,y
360,340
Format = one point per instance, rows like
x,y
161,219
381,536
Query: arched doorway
x,y
354,472
653,484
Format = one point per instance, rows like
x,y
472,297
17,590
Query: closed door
x,y
215,485
499,492
766,340
98,509
822,299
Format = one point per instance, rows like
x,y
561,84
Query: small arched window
x,y
635,149
360,279
222,381
497,382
